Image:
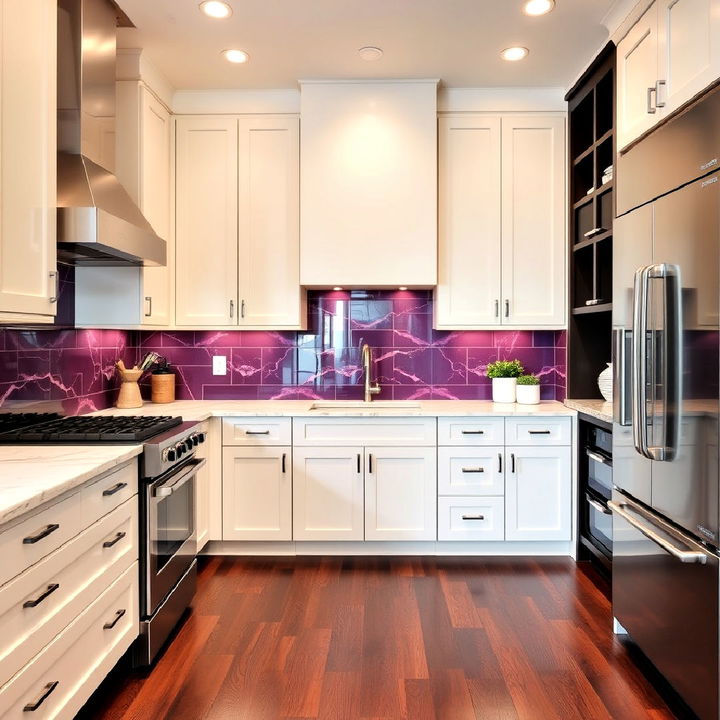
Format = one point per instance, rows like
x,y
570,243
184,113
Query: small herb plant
x,y
505,369
528,380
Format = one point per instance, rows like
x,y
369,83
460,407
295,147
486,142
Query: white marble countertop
x,y
595,408
203,409
31,475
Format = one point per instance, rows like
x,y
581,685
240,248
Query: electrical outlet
x,y
219,365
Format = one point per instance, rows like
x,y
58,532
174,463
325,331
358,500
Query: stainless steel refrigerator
x,y
666,309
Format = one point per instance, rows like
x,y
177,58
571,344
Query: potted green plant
x,y
504,375
528,390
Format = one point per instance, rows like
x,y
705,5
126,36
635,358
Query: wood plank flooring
x,y
389,638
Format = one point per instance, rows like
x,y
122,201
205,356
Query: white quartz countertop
x,y
31,475
204,409
595,408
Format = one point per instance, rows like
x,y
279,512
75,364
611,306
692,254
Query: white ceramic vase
x,y
503,390
528,394
605,383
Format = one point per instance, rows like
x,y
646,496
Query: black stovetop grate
x,y
118,428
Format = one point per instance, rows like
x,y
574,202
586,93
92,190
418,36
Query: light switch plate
x,y
219,365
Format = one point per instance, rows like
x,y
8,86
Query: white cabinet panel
x,y
538,430
369,184
384,430
257,493
471,431
469,213
328,493
269,229
538,493
206,221
257,431
205,487
637,74
533,221
471,471
400,493
471,518
28,160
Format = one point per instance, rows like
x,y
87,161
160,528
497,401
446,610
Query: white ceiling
x,y
457,41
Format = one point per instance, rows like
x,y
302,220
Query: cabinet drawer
x,y
471,518
67,671
471,431
471,471
375,431
103,496
37,605
257,431
538,431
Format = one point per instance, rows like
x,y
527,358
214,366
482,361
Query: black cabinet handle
x,y
499,462
284,456
358,463
48,592
257,432
539,432
114,489
473,432
47,691
473,470
370,463
512,462
115,540
111,625
473,517
47,530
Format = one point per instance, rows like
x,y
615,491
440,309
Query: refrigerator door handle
x,y
685,556
641,289
619,364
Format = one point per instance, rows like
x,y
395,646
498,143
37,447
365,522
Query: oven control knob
x,y
201,437
180,449
169,455
189,444
194,439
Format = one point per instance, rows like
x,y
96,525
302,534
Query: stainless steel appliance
x,y
666,309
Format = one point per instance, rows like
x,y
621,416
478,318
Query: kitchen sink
x,y
362,405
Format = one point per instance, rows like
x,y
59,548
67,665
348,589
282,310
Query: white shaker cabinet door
x,y
206,221
538,493
400,493
533,221
28,160
469,214
328,493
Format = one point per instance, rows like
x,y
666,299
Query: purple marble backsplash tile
x,y
411,360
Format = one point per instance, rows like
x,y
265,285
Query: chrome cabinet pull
x,y
473,517
118,537
232,309
110,625
148,306
242,309
46,594
473,470
686,556
47,691
650,108
54,274
114,489
497,308
658,85
47,530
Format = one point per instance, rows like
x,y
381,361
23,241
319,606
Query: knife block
x,y
129,396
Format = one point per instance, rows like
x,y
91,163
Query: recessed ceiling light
x,y
513,54
337,288
403,287
539,7
216,9
236,56
370,53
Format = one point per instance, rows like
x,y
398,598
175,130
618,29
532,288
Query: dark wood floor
x,y
371,638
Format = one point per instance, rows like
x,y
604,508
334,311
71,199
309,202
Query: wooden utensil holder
x,y
163,387
129,395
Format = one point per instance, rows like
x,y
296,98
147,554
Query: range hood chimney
x,y
98,222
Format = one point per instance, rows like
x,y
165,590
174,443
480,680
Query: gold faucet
x,y
371,388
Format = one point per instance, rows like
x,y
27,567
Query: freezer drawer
x,y
665,594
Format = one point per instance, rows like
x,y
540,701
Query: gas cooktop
x,y
82,429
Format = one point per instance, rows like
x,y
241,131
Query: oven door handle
x,y
167,489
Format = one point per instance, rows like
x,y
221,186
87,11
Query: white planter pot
x,y
503,390
528,394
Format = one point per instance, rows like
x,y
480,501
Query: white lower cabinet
x,y
257,493
471,471
400,493
538,493
328,493
471,518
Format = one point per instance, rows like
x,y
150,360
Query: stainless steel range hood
x,y
98,222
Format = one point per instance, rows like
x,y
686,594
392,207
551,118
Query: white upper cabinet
x,y
269,223
369,184
206,221
28,150
469,214
237,222
667,58
533,221
502,224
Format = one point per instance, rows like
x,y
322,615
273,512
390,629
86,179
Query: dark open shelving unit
x,y
591,127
